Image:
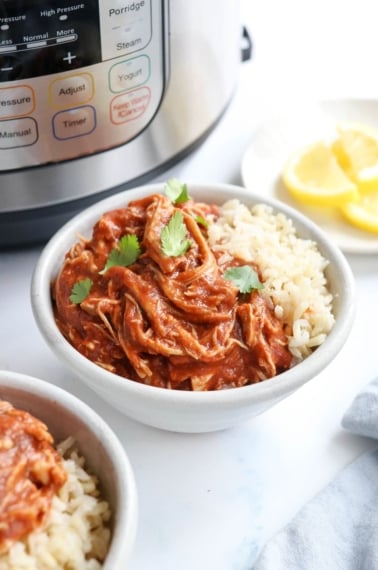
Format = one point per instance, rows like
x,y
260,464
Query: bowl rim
x,y
126,519
276,386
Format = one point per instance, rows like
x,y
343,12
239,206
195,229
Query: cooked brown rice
x,y
292,269
75,535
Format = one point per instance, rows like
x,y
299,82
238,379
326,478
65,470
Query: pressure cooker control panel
x,y
77,78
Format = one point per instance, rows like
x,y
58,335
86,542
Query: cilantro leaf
x,y
80,291
244,277
201,221
128,253
173,236
176,192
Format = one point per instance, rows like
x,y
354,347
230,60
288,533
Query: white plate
x,y
277,138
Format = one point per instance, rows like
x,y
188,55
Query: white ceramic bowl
x,y
179,410
65,415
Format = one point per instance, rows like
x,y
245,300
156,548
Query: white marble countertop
x,y
208,502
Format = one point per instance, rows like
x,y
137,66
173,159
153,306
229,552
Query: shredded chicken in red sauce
x,y
173,322
31,473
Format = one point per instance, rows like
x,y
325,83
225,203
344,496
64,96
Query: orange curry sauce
x,y
172,322
31,473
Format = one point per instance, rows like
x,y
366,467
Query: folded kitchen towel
x,y
338,529
362,416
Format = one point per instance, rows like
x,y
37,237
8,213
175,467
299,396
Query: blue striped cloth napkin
x,y
338,529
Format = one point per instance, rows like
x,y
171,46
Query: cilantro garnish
x,y
173,236
176,192
80,291
201,221
128,253
245,278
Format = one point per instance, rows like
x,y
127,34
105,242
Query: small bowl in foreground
x,y
186,411
65,415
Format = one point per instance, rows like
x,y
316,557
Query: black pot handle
x,y
246,51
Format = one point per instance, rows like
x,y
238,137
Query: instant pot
x,y
98,96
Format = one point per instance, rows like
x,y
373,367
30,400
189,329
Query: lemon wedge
x,y
313,175
356,150
364,212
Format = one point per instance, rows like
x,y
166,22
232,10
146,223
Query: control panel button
x,y
74,122
130,105
17,133
129,74
10,65
16,101
126,27
71,91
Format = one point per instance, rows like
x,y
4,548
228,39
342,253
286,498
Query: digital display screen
x,y
40,38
